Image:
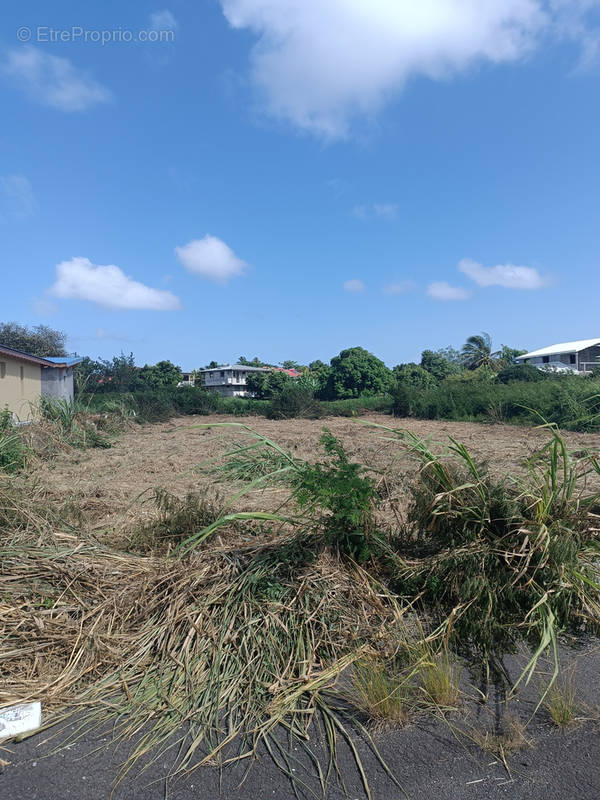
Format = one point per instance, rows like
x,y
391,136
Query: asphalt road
x,y
428,761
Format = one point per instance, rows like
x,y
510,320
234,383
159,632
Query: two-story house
x,y
228,380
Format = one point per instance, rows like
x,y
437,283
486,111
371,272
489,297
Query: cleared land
x,y
111,487
105,495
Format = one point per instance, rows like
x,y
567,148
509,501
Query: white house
x,y
580,356
228,380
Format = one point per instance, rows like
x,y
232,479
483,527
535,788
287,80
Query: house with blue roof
x,y
25,379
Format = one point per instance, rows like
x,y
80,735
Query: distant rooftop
x,y
236,367
562,348
46,361
68,360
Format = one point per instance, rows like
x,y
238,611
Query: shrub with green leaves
x,y
343,495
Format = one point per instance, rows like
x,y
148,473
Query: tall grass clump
x,y
175,520
502,561
13,452
72,422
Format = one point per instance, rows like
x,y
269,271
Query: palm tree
x,y
477,352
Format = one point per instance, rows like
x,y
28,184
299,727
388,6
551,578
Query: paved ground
x,y
428,761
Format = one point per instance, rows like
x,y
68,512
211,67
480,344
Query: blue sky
x,y
287,179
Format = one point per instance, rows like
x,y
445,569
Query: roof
x,y
235,366
560,349
293,373
68,361
50,361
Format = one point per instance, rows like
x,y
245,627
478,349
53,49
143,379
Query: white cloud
x,y
440,290
53,81
108,286
573,21
398,288
506,275
17,200
355,286
211,258
385,210
163,21
320,64
382,210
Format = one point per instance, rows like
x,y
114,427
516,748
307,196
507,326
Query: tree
x,y
437,364
162,375
267,385
319,372
509,355
117,375
289,364
40,340
256,362
356,371
477,352
255,383
521,372
415,376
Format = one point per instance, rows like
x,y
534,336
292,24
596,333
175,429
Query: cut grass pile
x,y
214,644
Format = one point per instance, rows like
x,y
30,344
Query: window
x,y
222,373
22,377
572,358
545,359
2,369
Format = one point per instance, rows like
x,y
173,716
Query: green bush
x,y
295,401
520,372
568,401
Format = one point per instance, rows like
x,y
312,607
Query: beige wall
x,y
20,386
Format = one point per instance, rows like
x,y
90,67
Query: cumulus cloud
x,y
52,81
211,258
354,286
108,286
163,21
17,200
319,64
441,290
398,288
506,275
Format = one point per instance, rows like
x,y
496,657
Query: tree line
x,y
353,373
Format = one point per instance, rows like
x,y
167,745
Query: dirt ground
x,y
112,488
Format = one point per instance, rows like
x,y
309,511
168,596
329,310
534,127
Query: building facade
x,y
579,356
228,380
25,379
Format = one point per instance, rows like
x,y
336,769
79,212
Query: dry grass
x,y
382,695
247,631
561,701
440,676
167,455
511,737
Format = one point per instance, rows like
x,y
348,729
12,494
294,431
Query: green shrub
x,y
295,401
520,372
341,489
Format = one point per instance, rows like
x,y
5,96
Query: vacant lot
x,y
111,488
155,639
